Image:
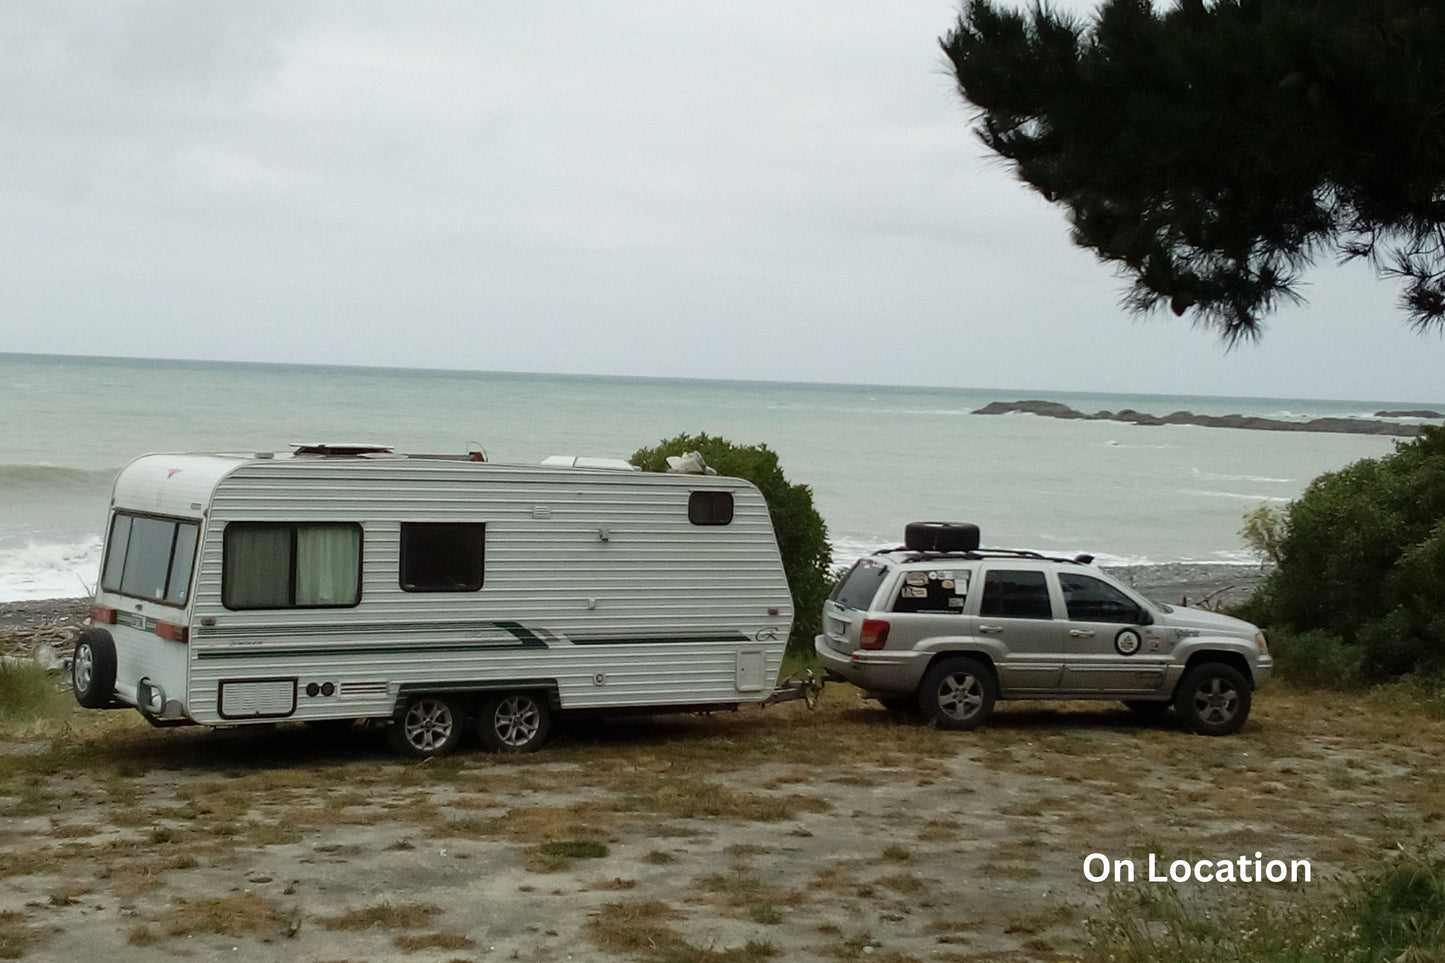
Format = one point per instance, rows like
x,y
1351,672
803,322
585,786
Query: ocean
x,y
875,457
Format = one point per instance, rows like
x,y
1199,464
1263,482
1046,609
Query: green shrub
x,y
1360,559
802,534
27,692
1396,914
1316,659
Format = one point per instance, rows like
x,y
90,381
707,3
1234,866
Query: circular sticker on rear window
x,y
1127,642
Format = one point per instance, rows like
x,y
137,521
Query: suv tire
x,y
940,537
1213,699
957,693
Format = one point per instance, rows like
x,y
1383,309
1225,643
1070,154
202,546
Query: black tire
x,y
92,669
514,722
1213,699
958,693
940,537
429,726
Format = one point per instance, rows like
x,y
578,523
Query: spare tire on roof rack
x,y
940,536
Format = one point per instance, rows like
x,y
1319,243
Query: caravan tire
x,y
92,669
431,725
514,722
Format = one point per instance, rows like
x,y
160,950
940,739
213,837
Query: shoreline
x,y
26,626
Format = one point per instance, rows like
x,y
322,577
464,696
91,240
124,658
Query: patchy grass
x,y
382,916
240,914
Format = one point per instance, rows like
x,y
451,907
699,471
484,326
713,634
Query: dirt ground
x,y
835,833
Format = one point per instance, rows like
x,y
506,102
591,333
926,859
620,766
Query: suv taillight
x,y
873,635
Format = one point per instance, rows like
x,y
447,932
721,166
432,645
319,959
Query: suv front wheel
x,y
958,693
1213,699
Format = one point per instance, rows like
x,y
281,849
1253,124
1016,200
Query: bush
x,y
1360,559
802,534
1316,659
1396,914
26,692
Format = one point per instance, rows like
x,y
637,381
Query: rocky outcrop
x,y
1417,413
1351,426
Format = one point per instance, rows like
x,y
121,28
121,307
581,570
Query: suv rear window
x,y
858,587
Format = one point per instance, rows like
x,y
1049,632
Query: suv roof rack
x,y
976,554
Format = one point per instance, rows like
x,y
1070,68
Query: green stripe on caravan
x,y
669,639
517,630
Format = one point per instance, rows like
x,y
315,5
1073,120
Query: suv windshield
x,y
858,587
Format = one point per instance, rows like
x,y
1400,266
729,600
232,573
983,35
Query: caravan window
x,y
442,557
710,508
284,565
150,558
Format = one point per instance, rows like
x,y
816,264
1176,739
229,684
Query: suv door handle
x,y
990,629
1081,633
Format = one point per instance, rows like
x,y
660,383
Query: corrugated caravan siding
x,y
655,576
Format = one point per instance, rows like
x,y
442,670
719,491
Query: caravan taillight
x,y
172,632
102,615
873,634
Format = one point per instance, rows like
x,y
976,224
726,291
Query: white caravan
x,y
434,592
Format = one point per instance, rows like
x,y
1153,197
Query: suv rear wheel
x,y
957,693
1213,699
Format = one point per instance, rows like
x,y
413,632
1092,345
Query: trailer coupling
x,y
800,685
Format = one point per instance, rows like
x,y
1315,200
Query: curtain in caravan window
x,y
257,567
328,564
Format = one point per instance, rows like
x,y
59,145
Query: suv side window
x,y
1011,594
940,590
1090,600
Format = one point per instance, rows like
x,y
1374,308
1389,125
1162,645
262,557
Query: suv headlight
x,y
1261,644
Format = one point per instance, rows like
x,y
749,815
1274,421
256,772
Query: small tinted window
x,y
1090,600
858,587
936,590
710,508
150,558
440,557
1015,595
281,565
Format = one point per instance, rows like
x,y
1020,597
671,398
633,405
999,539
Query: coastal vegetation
x,y
1211,151
801,532
1356,595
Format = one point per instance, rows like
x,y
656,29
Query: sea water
x,y
875,457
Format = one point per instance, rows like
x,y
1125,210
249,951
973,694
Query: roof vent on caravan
x,y
690,463
341,450
587,461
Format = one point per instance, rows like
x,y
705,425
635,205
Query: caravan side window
x,y
150,558
710,508
442,557
291,565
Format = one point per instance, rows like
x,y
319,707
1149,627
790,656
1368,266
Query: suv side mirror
x,y
1145,616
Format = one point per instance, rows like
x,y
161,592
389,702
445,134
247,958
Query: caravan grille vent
x,y
264,698
362,690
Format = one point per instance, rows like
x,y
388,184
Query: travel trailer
x,y
437,594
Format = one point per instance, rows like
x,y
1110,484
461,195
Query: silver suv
x,y
945,628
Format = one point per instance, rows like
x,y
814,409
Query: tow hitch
x,y
800,685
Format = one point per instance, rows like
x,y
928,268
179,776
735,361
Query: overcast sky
x,y
776,191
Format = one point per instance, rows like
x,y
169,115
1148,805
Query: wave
x,y
21,478
49,570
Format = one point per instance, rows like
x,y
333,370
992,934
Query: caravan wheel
x,y
430,726
514,722
92,668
